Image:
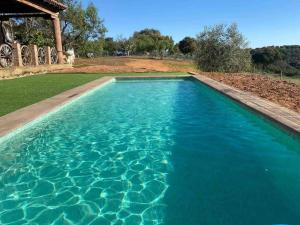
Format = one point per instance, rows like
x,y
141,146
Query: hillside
x,y
277,59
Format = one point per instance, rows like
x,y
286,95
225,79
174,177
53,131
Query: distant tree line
x,y
145,42
283,59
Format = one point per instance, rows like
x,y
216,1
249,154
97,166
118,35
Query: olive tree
x,y
187,45
222,48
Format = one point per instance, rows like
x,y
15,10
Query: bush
x,y
282,66
222,49
276,59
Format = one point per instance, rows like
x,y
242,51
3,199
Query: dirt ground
x,y
282,92
128,65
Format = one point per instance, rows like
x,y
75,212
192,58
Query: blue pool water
x,y
171,152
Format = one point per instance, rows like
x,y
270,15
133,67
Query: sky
x,y
263,22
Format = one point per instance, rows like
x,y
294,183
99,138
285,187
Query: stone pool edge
x,y
17,119
276,113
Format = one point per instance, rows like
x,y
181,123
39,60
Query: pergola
x,y
48,9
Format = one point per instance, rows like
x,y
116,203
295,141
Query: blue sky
x,y
263,22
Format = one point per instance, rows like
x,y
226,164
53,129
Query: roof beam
x,y
16,15
35,6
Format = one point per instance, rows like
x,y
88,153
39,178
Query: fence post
x,y
17,54
35,57
48,55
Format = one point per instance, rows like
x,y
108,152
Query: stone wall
x,y
15,72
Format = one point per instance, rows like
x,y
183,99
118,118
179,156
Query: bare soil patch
x,y
129,64
282,92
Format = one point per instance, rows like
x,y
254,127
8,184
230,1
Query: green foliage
x,y
80,25
285,59
93,46
292,55
188,45
124,46
266,55
81,28
224,49
153,42
148,41
33,31
109,46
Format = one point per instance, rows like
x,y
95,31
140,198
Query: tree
x,y
266,56
144,40
152,41
222,48
187,46
33,31
80,26
124,45
284,59
175,50
91,47
109,46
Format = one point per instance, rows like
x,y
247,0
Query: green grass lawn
x,y
21,92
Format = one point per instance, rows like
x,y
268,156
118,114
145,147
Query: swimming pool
x,y
151,151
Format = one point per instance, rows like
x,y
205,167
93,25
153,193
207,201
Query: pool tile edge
x,y
19,118
281,115
153,77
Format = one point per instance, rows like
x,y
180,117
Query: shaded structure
x,y
48,9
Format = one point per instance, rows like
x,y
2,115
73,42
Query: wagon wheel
x,y
42,56
26,55
6,55
54,57
7,32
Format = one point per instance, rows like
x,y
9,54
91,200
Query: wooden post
x,y
58,41
17,54
35,57
48,55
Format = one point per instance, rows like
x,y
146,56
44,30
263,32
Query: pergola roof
x,y
30,8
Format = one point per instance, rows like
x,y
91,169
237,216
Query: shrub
x,y
222,49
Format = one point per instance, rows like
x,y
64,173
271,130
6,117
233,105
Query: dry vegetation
x,y
282,92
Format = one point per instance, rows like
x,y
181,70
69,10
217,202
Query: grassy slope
x,y
21,92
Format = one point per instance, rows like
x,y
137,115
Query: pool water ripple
x,y
91,163
150,152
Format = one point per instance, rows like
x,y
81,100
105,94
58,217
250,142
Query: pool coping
x,y
17,119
